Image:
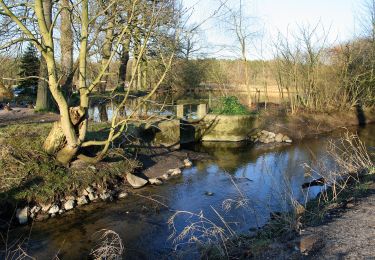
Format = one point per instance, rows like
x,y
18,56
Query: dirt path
x,y
25,115
350,236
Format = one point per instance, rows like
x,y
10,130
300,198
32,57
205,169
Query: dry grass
x,y
201,231
109,246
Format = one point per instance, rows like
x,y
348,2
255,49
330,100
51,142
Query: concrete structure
x,y
227,128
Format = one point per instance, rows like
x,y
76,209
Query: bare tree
x,y
68,135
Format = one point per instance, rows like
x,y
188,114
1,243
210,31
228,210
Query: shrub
x,y
230,106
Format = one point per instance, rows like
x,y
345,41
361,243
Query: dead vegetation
x,y
109,246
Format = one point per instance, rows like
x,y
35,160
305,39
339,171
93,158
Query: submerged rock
x,y
41,217
23,215
122,195
135,181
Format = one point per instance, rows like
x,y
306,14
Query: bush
x,y
230,106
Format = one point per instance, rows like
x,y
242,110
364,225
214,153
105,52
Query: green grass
x,y
27,173
230,106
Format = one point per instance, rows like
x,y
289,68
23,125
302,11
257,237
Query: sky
x,y
269,17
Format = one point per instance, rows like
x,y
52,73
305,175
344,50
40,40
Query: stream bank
x,y
265,174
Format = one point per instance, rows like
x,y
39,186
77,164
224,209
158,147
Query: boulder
x,y
68,205
279,138
135,181
23,215
155,181
82,200
54,209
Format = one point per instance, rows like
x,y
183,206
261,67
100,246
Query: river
x,y
266,176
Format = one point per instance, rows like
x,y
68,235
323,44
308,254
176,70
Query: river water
x,y
266,176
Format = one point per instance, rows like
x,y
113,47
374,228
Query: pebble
x,y
122,195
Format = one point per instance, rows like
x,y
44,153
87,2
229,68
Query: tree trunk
x,y
106,52
124,60
42,99
66,41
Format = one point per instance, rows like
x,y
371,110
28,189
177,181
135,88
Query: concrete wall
x,y
227,127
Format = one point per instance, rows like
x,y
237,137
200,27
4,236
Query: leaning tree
x,y
86,21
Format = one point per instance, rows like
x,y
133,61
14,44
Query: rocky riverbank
x,y
118,189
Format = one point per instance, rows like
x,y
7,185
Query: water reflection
x,y
267,176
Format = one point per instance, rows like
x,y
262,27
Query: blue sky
x,y
273,16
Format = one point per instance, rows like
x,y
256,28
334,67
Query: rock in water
x,y
188,163
175,172
135,181
155,181
69,205
23,215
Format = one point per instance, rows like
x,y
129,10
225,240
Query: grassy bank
x,y
29,174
